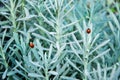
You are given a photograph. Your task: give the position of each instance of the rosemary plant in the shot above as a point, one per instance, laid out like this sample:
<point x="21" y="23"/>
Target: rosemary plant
<point x="59" y="40"/>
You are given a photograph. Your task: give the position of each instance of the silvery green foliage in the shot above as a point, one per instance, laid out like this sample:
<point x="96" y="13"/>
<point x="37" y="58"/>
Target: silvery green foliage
<point x="63" y="50"/>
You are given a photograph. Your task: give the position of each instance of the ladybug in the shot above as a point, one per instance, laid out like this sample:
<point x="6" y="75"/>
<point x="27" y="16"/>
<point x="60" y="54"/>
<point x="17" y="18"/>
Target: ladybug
<point x="31" y="44"/>
<point x="88" y="30"/>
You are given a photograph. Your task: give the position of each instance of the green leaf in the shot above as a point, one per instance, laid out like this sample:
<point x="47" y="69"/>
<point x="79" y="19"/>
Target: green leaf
<point x="99" y="46"/>
<point x="68" y="78"/>
<point x="35" y="75"/>
<point x="16" y="37"/>
<point x="53" y="72"/>
<point x="42" y="28"/>
<point x="94" y="40"/>
<point x="4" y="74"/>
<point x="34" y="63"/>
<point x="41" y="37"/>
<point x="75" y="51"/>
<point x="99" y="55"/>
<point x="11" y="73"/>
<point x="8" y="44"/>
<point x="73" y="65"/>
<point x="26" y="18"/>
<point x="3" y="36"/>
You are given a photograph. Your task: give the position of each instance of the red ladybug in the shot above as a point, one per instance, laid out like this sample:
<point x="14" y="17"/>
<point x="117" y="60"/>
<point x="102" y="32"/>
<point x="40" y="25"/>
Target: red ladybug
<point x="88" y="30"/>
<point x="31" y="44"/>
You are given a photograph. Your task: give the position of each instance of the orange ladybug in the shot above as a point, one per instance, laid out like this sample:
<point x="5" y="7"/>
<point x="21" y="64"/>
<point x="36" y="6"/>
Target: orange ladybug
<point x="31" y="44"/>
<point x="88" y="30"/>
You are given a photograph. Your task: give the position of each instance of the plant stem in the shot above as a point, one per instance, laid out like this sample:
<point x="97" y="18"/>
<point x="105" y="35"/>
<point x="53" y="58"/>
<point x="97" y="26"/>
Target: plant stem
<point x="13" y="16"/>
<point x="4" y="59"/>
<point x="86" y="60"/>
<point x="46" y="68"/>
<point x="85" y="65"/>
<point x="85" y="72"/>
<point x="46" y="73"/>
<point x="23" y="11"/>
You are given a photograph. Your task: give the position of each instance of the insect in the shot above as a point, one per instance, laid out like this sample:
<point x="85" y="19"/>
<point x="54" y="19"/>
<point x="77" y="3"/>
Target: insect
<point x="31" y="44"/>
<point x="88" y="30"/>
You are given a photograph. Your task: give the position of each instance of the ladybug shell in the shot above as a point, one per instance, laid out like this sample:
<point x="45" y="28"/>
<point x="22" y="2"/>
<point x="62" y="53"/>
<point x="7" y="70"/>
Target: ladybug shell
<point x="31" y="44"/>
<point x="88" y="30"/>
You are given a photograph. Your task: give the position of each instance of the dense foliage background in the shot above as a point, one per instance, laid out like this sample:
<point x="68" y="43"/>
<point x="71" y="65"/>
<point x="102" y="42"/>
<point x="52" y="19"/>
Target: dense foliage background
<point x="70" y="39"/>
